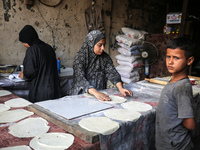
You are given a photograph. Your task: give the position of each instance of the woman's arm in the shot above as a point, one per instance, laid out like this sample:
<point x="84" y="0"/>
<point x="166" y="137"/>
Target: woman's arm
<point x="122" y="90"/>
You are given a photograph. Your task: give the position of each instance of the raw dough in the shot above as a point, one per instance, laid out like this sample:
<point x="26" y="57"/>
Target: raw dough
<point x="136" y="106"/>
<point x="122" y="114"/>
<point x="21" y="147"/>
<point x="4" y="93"/>
<point x="52" y="141"/>
<point x="101" y="125"/>
<point x="14" y="115"/>
<point x="115" y="99"/>
<point x="17" y="102"/>
<point x="90" y="95"/>
<point x="4" y="107"/>
<point x="29" y="127"/>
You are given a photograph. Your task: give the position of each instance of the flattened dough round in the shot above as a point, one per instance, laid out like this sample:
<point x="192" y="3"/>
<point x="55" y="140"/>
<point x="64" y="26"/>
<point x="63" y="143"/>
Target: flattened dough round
<point x="90" y="95"/>
<point x="101" y="125"/>
<point x="115" y="99"/>
<point x="122" y="114"/>
<point x="29" y="127"/>
<point x="4" y="92"/>
<point x="4" y="107"/>
<point x="14" y="115"/>
<point x="136" y="106"/>
<point x="52" y="141"/>
<point x="21" y="147"/>
<point x="17" y="102"/>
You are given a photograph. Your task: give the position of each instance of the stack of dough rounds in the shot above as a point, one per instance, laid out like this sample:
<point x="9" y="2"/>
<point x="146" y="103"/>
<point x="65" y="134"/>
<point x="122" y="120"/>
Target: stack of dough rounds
<point x="52" y="141"/>
<point x="21" y="147"/>
<point x="14" y="115"/>
<point x="4" y="93"/>
<point x="101" y="125"/>
<point x="136" y="106"/>
<point x="4" y="107"/>
<point x="122" y="114"/>
<point x="29" y="127"/>
<point x="17" y="102"/>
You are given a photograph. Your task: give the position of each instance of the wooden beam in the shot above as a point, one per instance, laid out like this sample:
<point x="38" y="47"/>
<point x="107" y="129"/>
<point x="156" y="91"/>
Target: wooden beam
<point x="183" y="19"/>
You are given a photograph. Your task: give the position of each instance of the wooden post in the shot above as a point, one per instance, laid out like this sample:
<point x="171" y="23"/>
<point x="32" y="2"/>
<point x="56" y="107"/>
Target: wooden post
<point x="183" y="19"/>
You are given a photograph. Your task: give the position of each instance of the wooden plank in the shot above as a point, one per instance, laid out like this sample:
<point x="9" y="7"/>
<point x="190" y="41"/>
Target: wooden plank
<point x="68" y="125"/>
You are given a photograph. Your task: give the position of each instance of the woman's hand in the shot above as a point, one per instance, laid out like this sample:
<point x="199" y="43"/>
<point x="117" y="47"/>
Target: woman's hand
<point x="122" y="90"/>
<point x="99" y="95"/>
<point x="21" y="74"/>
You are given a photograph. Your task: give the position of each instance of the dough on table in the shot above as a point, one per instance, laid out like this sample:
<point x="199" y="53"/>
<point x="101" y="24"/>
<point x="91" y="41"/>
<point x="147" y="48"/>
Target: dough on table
<point x="122" y="114"/>
<point x="52" y="141"/>
<point x="21" y="147"/>
<point x="4" y="92"/>
<point x="29" y="127"/>
<point x="101" y="125"/>
<point x="115" y="99"/>
<point x="4" y="107"/>
<point x="14" y="115"/>
<point x="137" y="106"/>
<point x="17" y="102"/>
<point x="90" y="95"/>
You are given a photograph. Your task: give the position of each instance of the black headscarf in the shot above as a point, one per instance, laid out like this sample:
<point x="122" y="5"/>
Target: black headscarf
<point x="29" y="35"/>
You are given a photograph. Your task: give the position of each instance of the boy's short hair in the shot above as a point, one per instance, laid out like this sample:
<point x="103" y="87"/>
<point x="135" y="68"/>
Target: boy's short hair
<point x="184" y="43"/>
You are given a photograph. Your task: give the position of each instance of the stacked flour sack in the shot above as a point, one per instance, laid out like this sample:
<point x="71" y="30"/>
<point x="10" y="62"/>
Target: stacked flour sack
<point x="130" y="45"/>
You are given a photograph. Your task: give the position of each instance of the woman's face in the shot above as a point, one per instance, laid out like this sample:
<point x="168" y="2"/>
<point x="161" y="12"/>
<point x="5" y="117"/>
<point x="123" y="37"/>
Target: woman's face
<point x="26" y="45"/>
<point x="99" y="47"/>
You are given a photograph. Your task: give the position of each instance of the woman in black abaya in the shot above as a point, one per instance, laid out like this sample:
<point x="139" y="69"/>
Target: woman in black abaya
<point x="40" y="67"/>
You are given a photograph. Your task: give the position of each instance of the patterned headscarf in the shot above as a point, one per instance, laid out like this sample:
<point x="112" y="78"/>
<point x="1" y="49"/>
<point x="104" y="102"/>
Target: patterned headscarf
<point x="29" y="35"/>
<point x="87" y="49"/>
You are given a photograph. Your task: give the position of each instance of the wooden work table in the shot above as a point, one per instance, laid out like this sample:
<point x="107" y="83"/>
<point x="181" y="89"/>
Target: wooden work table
<point x="8" y="140"/>
<point x="137" y="135"/>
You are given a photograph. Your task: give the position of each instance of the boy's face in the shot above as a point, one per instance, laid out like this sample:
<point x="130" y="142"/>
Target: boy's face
<point x="176" y="61"/>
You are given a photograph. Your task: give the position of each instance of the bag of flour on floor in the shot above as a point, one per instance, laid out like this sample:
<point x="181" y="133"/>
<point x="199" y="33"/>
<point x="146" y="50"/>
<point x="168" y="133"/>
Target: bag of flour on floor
<point x="129" y="75"/>
<point x="133" y="33"/>
<point x="129" y="59"/>
<point x="128" y="41"/>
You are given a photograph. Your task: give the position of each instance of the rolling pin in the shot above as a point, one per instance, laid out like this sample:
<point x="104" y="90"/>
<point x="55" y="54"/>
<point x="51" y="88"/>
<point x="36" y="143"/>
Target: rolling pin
<point x="156" y="81"/>
<point x="196" y="78"/>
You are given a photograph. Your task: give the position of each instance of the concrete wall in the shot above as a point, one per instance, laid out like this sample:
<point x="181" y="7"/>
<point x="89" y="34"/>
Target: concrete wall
<point x="63" y="26"/>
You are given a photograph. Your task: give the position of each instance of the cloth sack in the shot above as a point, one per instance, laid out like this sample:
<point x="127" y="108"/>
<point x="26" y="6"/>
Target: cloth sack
<point x="128" y="52"/>
<point x="129" y="75"/>
<point x="129" y="59"/>
<point x="128" y="41"/>
<point x="134" y="34"/>
<point x="132" y="65"/>
<point x="130" y="80"/>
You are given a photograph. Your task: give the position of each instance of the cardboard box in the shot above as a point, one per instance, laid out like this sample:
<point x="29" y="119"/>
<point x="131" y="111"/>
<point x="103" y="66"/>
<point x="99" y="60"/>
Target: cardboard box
<point x="173" y="18"/>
